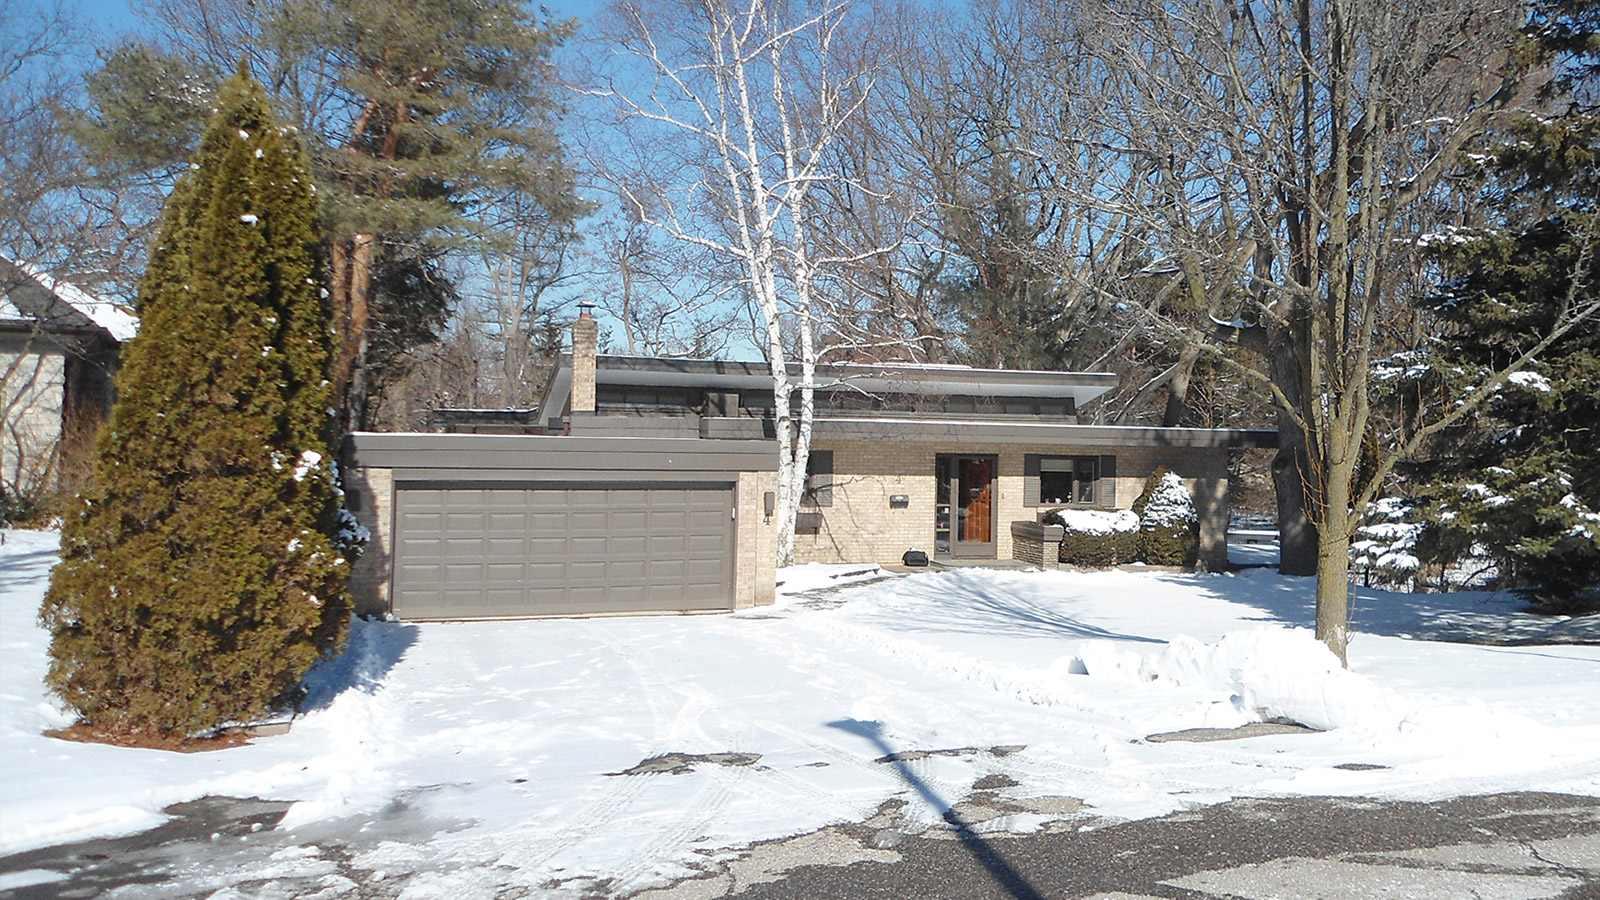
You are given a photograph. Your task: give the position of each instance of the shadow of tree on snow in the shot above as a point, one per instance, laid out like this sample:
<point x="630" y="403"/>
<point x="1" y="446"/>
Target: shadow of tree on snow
<point x="374" y="648"/>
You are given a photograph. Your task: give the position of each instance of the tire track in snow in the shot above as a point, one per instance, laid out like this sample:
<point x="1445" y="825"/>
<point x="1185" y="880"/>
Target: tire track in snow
<point x="533" y="848"/>
<point x="688" y="709"/>
<point x="1119" y="773"/>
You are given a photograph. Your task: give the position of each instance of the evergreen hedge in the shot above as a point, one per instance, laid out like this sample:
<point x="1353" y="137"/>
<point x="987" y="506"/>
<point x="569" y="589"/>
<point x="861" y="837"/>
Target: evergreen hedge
<point x="199" y="576"/>
<point x="1095" y="539"/>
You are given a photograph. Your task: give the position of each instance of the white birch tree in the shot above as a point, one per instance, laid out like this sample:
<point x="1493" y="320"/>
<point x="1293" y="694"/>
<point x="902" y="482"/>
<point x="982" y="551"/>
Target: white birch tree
<point x="729" y="109"/>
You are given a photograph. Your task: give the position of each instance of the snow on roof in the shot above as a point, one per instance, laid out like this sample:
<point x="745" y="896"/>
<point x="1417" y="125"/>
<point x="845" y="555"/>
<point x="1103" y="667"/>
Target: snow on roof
<point x="113" y="317"/>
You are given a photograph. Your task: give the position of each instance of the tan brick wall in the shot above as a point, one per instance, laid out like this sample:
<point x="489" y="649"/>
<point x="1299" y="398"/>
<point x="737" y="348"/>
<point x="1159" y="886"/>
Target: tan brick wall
<point x="31" y="397"/>
<point x="861" y="527"/>
<point x="756" y="566"/>
<point x="585" y="334"/>
<point x="373" y="504"/>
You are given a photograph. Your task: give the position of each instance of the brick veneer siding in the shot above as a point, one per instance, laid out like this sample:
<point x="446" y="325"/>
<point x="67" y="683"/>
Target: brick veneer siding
<point x="1035" y="544"/>
<point x="860" y="526"/>
<point x="585" y="334"/>
<point x="370" y="494"/>
<point x="756" y="536"/>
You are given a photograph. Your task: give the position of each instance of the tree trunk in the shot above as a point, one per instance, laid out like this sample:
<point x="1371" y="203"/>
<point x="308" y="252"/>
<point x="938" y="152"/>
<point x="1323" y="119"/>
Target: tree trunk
<point x="1297" y="537"/>
<point x="350" y="266"/>
<point x="1178" y="387"/>
<point x="1333" y="591"/>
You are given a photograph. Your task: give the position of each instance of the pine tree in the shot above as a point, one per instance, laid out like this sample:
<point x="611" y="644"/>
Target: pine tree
<point x="431" y="125"/>
<point x="200" y="579"/>
<point x="1522" y="480"/>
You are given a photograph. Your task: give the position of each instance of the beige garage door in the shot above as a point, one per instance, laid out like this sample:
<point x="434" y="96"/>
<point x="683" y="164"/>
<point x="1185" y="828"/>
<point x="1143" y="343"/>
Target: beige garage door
<point x="466" y="552"/>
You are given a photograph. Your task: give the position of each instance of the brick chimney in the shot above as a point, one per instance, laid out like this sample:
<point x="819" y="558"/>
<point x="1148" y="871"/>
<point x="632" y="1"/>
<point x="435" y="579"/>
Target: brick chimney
<point x="585" y="334"/>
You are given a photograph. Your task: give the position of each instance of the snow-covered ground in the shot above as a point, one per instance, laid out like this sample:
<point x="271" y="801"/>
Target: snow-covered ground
<point x="505" y="743"/>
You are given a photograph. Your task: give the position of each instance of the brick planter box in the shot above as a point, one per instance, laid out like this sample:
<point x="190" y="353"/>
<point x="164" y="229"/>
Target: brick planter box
<point x="1036" y="544"/>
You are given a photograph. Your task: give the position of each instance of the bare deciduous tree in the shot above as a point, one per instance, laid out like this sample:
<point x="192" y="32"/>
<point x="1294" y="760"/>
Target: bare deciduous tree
<point x="1298" y="147"/>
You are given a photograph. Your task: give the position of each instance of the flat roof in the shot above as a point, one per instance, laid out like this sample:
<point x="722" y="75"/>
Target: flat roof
<point x="1006" y="432"/>
<point x="574" y="455"/>
<point x="862" y="378"/>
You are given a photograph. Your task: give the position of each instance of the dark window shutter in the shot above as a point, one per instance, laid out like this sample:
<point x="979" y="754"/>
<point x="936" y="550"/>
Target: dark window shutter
<point x="819" y="478"/>
<point x="1107" y="483"/>
<point x="1030" y="479"/>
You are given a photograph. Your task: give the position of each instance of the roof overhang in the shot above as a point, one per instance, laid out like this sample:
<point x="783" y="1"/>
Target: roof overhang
<point x="994" y="432"/>
<point x="493" y="457"/>
<point x="887" y="378"/>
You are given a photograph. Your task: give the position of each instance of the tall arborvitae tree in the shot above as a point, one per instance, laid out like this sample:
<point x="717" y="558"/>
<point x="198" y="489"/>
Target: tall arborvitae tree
<point x="200" y="579"/>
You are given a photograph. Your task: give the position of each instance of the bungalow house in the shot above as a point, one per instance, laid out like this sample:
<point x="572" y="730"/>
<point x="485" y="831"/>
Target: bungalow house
<point x="643" y="484"/>
<point x="58" y="355"/>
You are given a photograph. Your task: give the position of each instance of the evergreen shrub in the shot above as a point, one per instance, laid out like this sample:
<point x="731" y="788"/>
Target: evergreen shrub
<point x="1095" y="538"/>
<point x="1169" y="528"/>
<point x="200" y="578"/>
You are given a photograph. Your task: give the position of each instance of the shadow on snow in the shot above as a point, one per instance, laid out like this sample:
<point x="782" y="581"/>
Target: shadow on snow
<point x="373" y="649"/>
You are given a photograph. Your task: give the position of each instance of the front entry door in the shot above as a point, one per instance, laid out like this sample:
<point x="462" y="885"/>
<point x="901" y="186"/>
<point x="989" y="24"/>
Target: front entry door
<point x="964" y="511"/>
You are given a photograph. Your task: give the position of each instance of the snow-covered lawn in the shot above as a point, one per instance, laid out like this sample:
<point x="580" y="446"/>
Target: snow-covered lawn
<point x="503" y="741"/>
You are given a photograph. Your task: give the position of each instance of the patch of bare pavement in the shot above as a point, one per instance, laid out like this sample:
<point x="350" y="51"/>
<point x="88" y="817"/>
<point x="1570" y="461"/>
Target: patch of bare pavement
<point x="1523" y="846"/>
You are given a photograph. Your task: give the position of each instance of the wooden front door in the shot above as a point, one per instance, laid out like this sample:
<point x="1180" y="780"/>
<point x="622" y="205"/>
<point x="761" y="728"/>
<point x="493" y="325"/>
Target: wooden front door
<point x="964" y="508"/>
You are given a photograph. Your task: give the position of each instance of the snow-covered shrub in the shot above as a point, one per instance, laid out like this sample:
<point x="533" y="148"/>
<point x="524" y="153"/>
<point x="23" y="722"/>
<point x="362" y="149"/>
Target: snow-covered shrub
<point x="1386" y="543"/>
<point x="1169" y="529"/>
<point x="1096" y="538"/>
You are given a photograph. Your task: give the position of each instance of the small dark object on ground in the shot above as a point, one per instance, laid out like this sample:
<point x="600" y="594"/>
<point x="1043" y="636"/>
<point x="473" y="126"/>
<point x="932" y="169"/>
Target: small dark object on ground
<point x="684" y="763"/>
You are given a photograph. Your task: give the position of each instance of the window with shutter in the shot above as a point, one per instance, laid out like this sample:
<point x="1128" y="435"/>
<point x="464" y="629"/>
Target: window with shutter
<point x="819" y="479"/>
<point x="1061" y="480"/>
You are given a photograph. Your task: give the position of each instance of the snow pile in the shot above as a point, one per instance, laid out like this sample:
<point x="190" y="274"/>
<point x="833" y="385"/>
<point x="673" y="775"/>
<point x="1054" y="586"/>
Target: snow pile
<point x="1170" y="504"/>
<point x="820" y="576"/>
<point x="1272" y="672"/>
<point x="1097" y="521"/>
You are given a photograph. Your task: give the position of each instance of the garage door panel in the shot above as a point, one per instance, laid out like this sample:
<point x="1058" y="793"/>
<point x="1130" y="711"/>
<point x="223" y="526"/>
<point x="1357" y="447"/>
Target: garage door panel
<point x="504" y="573"/>
<point x="698" y="544"/>
<point x="508" y="521"/>
<point x="546" y="547"/>
<point x="490" y="550"/>
<point x="632" y="571"/>
<point x="660" y="544"/>
<point x="587" y="522"/>
<point x="587" y="547"/>
<point x="462" y="574"/>
<point x="540" y="572"/>
<point x="547" y="521"/>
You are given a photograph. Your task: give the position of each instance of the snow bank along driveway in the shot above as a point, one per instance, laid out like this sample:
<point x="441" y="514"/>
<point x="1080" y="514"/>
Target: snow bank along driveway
<point x="515" y="748"/>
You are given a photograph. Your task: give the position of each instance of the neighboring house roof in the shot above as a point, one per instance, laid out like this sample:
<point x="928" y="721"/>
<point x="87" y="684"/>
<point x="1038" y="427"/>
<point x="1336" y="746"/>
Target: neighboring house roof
<point x="32" y="296"/>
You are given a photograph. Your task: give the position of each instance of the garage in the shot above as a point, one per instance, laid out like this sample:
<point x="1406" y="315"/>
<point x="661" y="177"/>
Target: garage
<point x="479" y="551"/>
<point x="483" y="526"/>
